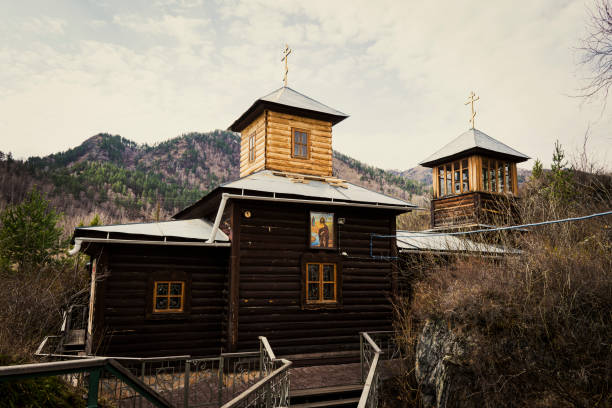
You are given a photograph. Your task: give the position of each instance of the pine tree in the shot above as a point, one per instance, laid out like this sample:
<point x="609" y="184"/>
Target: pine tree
<point x="30" y="236"/>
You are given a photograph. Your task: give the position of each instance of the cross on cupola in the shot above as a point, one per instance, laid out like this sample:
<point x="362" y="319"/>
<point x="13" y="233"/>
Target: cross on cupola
<point x="471" y="101"/>
<point x="285" y="58"/>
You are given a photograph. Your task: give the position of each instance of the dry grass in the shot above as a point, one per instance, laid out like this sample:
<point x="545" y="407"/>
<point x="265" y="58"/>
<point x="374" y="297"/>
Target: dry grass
<point x="539" y="324"/>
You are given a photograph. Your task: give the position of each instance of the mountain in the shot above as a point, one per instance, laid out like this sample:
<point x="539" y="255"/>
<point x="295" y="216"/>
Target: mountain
<point x="122" y="181"/>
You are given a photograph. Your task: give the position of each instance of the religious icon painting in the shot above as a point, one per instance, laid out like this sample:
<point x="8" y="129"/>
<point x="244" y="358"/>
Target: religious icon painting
<point x="322" y="234"/>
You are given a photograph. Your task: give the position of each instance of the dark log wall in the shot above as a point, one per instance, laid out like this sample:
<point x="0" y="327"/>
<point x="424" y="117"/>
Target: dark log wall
<point x="272" y="243"/>
<point x="121" y="308"/>
<point x="473" y="208"/>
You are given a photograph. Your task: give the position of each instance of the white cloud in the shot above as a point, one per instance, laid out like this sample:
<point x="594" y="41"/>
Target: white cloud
<point x="401" y="69"/>
<point x="43" y="25"/>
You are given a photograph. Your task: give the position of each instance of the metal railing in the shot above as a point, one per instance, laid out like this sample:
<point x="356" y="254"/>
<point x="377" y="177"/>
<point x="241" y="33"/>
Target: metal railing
<point x="190" y="382"/>
<point x="375" y="347"/>
<point x="86" y="374"/>
<point x="272" y="390"/>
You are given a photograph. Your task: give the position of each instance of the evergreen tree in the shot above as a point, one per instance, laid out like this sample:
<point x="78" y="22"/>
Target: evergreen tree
<point x="29" y="234"/>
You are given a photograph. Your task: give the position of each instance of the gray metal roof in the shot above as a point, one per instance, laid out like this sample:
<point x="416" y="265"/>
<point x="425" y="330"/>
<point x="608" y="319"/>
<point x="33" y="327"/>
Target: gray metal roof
<point x="431" y="241"/>
<point x="267" y="181"/>
<point x="289" y="97"/>
<point x="469" y="140"/>
<point x="197" y="229"/>
<point x="287" y="100"/>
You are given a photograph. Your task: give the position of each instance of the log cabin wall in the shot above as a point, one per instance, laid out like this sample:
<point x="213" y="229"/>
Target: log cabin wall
<point x="273" y="242"/>
<point x="470" y="209"/>
<point x="256" y="129"/>
<point x="125" y="291"/>
<point x="279" y="144"/>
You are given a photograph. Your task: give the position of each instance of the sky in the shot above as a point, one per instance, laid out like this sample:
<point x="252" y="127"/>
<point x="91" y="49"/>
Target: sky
<point x="152" y="70"/>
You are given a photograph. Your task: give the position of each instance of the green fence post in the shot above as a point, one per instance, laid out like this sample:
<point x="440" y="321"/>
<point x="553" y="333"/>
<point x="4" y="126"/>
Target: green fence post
<point x="92" y="392"/>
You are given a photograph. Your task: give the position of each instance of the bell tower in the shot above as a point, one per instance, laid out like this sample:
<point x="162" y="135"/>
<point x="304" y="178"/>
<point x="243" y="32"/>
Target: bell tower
<point x="474" y="179"/>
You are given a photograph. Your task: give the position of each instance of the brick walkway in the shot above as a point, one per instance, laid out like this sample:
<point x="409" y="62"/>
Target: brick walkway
<point x="335" y="375"/>
<point x="324" y="376"/>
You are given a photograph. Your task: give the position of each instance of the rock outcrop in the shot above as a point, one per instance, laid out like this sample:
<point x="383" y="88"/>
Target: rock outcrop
<point x="441" y="368"/>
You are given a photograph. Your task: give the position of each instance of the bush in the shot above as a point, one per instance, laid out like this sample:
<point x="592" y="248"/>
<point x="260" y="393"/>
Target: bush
<point x="37" y="392"/>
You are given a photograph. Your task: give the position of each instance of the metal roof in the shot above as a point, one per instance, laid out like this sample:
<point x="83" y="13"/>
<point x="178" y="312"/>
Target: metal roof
<point x="197" y="229"/>
<point x="434" y="241"/>
<point x="269" y="182"/>
<point x="289" y="97"/>
<point x="286" y="98"/>
<point x="473" y="139"/>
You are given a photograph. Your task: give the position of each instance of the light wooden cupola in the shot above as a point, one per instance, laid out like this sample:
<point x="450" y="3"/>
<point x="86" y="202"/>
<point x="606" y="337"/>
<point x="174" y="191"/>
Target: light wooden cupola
<point x="471" y="174"/>
<point x="289" y="132"/>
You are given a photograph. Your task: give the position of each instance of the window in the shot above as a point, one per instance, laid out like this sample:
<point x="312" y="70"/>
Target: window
<point x="500" y="177"/>
<point x="168" y="297"/>
<point x="453" y="178"/>
<point x="497" y="176"/>
<point x="485" y="174"/>
<point x="300" y="143"/>
<point x="465" y="177"/>
<point x="508" y="168"/>
<point x="252" y="147"/>
<point x="321" y="283"/>
<point x="440" y="181"/>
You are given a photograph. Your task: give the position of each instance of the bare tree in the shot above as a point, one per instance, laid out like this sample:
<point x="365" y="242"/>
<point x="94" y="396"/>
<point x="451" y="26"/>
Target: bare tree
<point x="597" y="48"/>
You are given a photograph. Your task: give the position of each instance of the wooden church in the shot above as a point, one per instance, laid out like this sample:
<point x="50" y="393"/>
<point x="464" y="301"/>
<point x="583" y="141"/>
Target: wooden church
<point x="283" y="252"/>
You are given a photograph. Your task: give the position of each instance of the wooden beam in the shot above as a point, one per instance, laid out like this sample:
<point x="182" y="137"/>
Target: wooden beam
<point x="234" y="280"/>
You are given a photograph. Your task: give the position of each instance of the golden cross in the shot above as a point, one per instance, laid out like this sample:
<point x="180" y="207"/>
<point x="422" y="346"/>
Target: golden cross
<point x="286" y="59"/>
<point x="471" y="101"/>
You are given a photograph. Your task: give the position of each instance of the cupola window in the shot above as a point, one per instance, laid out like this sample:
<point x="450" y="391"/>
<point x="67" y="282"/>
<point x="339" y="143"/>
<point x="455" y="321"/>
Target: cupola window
<point x="300" y="143"/>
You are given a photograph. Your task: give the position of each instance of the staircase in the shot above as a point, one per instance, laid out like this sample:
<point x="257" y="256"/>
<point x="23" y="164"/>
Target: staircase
<point x="342" y="396"/>
<point x="74" y="330"/>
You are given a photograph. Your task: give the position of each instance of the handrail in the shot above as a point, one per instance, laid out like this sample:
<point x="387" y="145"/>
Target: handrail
<point x="258" y="385"/>
<point x="254" y="389"/>
<point x="94" y="366"/>
<point x="365" y="394"/>
<point x="267" y="347"/>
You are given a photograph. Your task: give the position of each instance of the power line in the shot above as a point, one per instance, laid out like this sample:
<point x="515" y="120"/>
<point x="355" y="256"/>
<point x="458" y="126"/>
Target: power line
<point x="506" y="228"/>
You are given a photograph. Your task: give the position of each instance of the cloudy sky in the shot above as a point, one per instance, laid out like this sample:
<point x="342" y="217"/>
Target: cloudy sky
<point x="153" y="69"/>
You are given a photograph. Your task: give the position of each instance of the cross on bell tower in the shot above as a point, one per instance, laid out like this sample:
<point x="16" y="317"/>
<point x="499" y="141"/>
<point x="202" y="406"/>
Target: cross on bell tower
<point x="471" y="101"/>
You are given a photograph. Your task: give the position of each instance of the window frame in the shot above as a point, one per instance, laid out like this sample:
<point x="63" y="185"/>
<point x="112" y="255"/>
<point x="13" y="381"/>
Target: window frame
<point x="293" y="143"/>
<point x="168" y="296"/>
<point x="167" y="276"/>
<point x="321" y="259"/>
<point x="252" y="142"/>
<point x="320" y="282"/>
<point x="451" y="176"/>
<point x="502" y="172"/>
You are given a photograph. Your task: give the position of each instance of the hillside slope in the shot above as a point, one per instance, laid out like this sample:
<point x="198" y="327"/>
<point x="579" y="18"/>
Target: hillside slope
<point x="123" y="181"/>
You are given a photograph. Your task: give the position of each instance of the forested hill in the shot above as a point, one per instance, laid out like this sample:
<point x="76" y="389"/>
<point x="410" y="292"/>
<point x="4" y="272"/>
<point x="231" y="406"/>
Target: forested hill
<point x="122" y="181"/>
